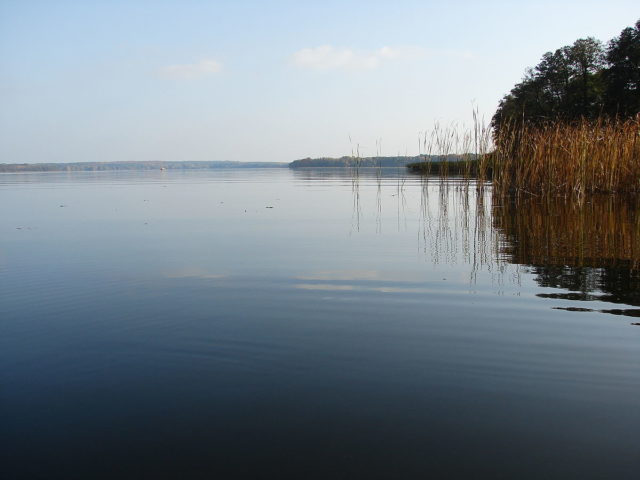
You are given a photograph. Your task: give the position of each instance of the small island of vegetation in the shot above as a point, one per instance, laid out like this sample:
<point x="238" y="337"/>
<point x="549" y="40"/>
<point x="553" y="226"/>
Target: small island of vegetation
<point x="379" y="162"/>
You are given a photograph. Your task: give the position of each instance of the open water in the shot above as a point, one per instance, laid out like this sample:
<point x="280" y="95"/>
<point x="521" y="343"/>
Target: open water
<point x="317" y="324"/>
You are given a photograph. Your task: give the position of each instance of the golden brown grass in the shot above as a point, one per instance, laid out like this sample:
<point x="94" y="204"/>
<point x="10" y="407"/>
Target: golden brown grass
<point x="600" y="156"/>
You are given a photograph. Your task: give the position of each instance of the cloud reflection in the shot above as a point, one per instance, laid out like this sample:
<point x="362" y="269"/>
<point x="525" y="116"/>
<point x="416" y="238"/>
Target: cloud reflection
<point x="334" y="287"/>
<point x="194" y="273"/>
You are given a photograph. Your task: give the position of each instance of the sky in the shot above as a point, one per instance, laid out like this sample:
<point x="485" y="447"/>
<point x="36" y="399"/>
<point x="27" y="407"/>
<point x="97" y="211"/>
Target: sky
<point x="265" y="80"/>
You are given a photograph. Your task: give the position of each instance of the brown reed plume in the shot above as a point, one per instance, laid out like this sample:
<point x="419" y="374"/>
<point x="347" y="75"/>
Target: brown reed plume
<point x="448" y="150"/>
<point x="601" y="156"/>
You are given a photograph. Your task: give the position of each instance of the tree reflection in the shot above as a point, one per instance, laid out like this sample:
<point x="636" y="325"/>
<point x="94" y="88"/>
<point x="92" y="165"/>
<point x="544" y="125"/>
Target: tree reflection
<point x="589" y="247"/>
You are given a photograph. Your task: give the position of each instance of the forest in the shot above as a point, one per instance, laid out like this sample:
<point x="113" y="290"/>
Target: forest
<point x="585" y="80"/>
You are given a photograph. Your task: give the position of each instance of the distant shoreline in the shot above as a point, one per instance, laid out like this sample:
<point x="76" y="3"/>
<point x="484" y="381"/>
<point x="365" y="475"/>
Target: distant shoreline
<point x="124" y="166"/>
<point x="325" y="162"/>
<point x="376" y="162"/>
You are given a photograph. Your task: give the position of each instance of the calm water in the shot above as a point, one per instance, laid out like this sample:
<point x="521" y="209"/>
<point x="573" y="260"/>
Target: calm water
<point x="306" y="324"/>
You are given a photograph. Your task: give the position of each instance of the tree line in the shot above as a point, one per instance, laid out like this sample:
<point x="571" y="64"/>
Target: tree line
<point x="586" y="80"/>
<point x="142" y="165"/>
<point x="383" y="162"/>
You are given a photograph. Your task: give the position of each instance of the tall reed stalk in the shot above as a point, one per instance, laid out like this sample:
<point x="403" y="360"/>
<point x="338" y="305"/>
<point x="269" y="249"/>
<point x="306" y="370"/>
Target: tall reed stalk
<point x="448" y="150"/>
<point x="601" y="156"/>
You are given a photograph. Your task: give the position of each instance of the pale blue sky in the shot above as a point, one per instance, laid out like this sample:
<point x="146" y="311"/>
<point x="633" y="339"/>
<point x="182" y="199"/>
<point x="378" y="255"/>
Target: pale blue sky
<point x="272" y="81"/>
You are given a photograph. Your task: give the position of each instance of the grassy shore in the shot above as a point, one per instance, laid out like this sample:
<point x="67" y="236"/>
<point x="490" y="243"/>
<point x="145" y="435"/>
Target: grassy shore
<point x="601" y="156"/>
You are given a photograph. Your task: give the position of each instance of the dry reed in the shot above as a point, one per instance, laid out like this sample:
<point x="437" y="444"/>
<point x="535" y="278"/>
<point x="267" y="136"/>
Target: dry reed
<point x="600" y="156"/>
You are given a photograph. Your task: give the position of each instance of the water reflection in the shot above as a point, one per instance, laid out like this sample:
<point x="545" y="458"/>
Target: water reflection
<point x="455" y="227"/>
<point x="589" y="248"/>
<point x="597" y="232"/>
<point x="227" y="340"/>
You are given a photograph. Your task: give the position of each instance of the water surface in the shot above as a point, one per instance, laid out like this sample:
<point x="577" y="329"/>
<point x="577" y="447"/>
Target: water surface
<point x="313" y="324"/>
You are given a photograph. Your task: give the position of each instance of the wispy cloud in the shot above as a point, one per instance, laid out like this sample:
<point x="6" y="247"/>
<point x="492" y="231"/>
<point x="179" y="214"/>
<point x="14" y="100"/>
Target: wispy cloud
<point x="192" y="70"/>
<point x="327" y="57"/>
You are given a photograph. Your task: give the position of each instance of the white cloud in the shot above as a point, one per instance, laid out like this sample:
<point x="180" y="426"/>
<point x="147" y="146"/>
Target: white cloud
<point x="193" y="70"/>
<point x="327" y="57"/>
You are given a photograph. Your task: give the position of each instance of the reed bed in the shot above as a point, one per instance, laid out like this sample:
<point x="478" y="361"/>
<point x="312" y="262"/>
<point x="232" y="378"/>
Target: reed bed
<point x="601" y="156"/>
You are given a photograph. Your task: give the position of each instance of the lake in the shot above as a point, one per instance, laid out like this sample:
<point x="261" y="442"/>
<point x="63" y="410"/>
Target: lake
<point x="279" y="323"/>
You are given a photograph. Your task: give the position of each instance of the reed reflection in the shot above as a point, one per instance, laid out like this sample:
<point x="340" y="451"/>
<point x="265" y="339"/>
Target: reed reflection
<point x="590" y="248"/>
<point x="455" y="225"/>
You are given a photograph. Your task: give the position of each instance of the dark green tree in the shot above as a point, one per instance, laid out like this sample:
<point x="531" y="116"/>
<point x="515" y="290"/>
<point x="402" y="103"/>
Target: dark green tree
<point x="567" y="84"/>
<point x="586" y="60"/>
<point x="622" y="78"/>
<point x="579" y="81"/>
